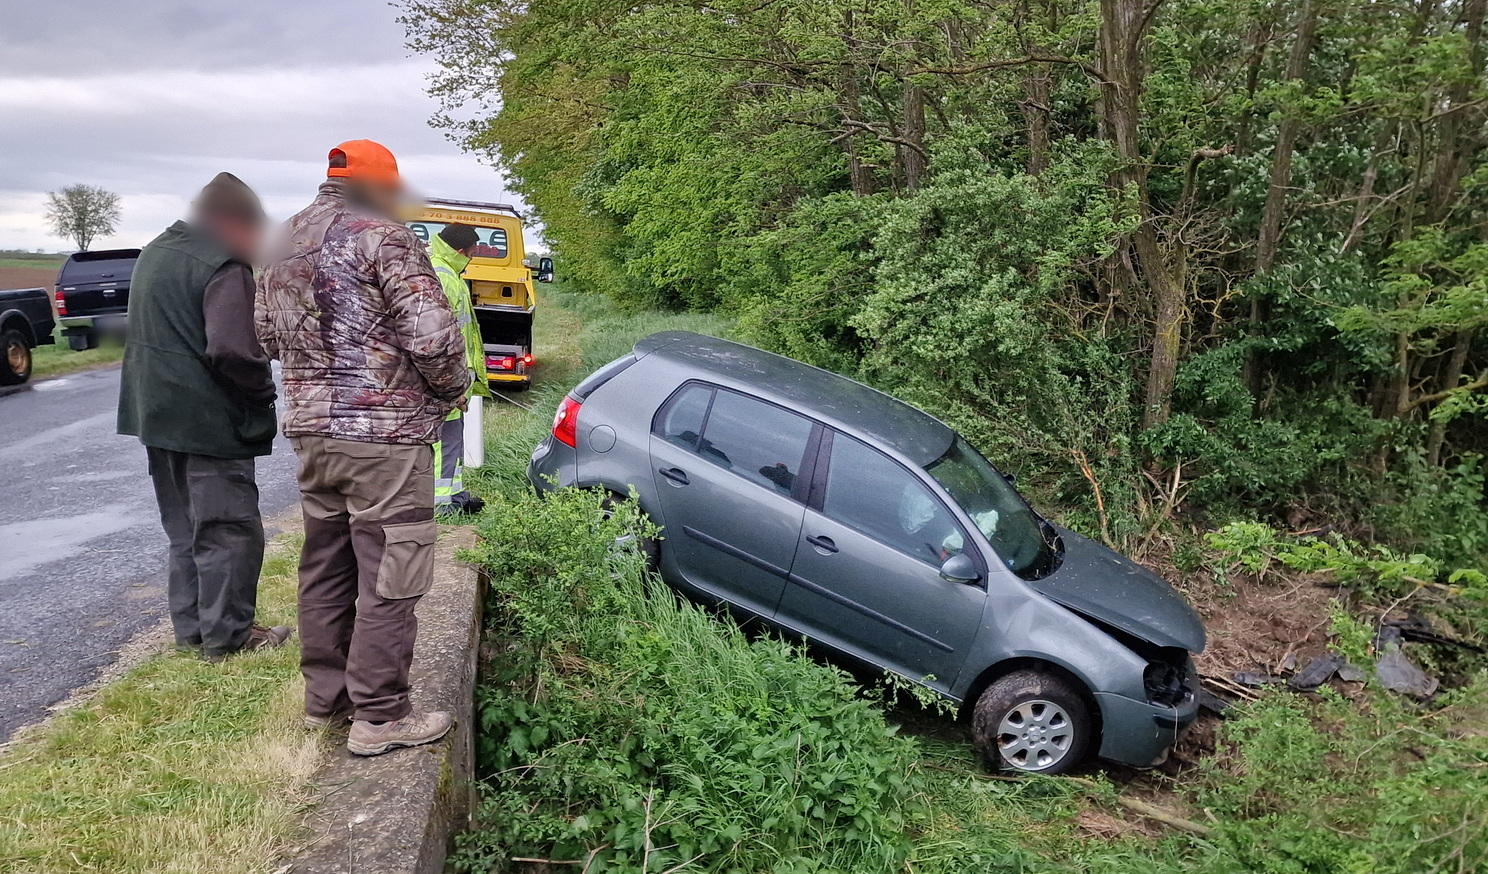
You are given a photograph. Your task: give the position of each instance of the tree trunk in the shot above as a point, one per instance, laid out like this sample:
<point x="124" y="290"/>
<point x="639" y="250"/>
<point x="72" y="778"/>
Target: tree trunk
<point x="1036" y="116"/>
<point x="913" y="149"/>
<point x="1273" y="213"/>
<point x="1451" y="378"/>
<point x="1123" y="50"/>
<point x="1456" y="138"/>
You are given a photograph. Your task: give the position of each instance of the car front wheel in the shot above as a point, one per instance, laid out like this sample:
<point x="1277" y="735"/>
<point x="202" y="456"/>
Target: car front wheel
<point x="15" y="368"/>
<point x="1032" y="721"/>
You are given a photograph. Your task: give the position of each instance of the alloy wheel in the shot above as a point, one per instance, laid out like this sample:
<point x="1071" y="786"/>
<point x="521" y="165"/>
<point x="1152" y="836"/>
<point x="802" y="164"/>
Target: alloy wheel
<point x="1035" y="735"/>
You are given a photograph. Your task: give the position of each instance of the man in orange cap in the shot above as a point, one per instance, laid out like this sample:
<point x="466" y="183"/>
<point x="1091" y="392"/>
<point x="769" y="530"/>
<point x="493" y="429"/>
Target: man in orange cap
<point x="373" y="362"/>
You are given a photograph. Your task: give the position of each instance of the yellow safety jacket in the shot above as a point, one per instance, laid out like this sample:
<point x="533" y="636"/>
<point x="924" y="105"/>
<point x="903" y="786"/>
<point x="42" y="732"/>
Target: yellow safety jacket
<point x="448" y="265"/>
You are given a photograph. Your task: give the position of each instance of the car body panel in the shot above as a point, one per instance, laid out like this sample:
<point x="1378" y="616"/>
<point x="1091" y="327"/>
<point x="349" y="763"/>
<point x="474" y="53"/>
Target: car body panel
<point x="876" y="606"/>
<point x="884" y="607"/>
<point x="1102" y="583"/>
<point x="94" y="290"/>
<point x="746" y="565"/>
<point x="28" y="310"/>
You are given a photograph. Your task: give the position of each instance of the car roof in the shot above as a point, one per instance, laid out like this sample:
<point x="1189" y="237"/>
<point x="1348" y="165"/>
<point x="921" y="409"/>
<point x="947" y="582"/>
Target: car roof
<point x="843" y="403"/>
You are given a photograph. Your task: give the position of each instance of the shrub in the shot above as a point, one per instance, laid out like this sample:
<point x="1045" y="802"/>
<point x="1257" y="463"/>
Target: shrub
<point x="620" y="726"/>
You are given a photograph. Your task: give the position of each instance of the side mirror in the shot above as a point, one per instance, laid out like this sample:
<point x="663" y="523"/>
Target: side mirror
<point x="545" y="270"/>
<point x="959" y="569"/>
<point x="1012" y="479"/>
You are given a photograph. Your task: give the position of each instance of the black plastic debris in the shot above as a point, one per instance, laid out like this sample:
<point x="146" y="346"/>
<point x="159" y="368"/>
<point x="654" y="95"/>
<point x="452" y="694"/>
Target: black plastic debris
<point x="1317" y="672"/>
<point x="1398" y="674"/>
<point x="1255" y="678"/>
<point x="1418" y="630"/>
<point x="1212" y="703"/>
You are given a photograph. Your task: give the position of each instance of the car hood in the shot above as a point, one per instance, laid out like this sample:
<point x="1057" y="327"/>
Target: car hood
<point x="1099" y="583"/>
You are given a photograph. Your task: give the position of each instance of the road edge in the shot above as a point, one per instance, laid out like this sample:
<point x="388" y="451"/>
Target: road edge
<point x="396" y="813"/>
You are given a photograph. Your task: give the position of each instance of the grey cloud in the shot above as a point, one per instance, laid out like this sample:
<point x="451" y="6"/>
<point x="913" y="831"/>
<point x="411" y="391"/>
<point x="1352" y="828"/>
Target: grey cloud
<point x="151" y="98"/>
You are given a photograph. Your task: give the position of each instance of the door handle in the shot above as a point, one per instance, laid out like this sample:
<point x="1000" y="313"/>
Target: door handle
<point x="823" y="545"/>
<point x="675" y="474"/>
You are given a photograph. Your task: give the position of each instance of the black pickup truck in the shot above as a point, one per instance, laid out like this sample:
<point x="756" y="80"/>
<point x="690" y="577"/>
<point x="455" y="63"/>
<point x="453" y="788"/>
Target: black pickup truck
<point x="93" y="295"/>
<point x="25" y="323"/>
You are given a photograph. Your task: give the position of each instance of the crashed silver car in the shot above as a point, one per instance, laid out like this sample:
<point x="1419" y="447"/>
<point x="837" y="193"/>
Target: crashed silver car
<point x="842" y="515"/>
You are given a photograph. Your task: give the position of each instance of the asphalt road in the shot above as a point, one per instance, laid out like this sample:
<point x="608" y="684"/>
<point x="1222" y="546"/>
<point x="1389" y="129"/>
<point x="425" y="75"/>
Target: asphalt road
<point x="82" y="556"/>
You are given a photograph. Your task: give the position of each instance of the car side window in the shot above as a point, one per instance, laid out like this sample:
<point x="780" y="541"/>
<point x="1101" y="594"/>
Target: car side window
<point x="871" y="492"/>
<point x="682" y="418"/>
<point x="758" y="441"/>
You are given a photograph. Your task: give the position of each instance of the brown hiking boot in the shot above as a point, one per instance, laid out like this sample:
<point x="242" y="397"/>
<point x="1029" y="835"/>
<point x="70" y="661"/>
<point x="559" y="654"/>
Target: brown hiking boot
<point x="318" y="723"/>
<point x="417" y="728"/>
<point x="267" y="638"/>
<point x="259" y="637"/>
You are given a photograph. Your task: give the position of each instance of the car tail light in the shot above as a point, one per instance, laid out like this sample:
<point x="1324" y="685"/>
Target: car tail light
<point x="61" y="303"/>
<point x="527" y="360"/>
<point x="566" y="423"/>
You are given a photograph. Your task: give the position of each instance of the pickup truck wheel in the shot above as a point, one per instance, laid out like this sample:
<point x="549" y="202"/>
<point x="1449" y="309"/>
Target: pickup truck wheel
<point x="16" y="367"/>
<point x="82" y="342"/>
<point x="1031" y="721"/>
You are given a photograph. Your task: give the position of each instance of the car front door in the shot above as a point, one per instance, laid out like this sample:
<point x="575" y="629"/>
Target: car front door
<point x="728" y="470"/>
<point x="866" y="579"/>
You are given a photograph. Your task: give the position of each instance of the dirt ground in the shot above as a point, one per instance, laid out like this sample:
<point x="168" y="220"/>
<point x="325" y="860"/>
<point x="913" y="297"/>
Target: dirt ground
<point x="28" y="277"/>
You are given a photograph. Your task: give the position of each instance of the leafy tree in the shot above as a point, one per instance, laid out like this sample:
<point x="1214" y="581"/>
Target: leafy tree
<point x="82" y="213"/>
<point x="1225" y="254"/>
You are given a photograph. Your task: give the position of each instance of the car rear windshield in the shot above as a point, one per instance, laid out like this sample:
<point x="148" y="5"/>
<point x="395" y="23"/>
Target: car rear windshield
<point x="602" y="376"/>
<point x="82" y="269"/>
<point x="1015" y="531"/>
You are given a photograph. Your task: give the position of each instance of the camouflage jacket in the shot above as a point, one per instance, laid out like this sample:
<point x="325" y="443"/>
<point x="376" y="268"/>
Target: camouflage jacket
<point x="351" y="308"/>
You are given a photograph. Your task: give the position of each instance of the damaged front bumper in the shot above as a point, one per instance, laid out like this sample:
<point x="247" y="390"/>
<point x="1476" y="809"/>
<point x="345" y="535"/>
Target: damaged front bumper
<point x="1140" y="733"/>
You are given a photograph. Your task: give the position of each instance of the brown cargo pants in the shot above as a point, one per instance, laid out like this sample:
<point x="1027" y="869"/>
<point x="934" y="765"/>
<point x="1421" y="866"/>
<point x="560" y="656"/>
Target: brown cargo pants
<point x="368" y="556"/>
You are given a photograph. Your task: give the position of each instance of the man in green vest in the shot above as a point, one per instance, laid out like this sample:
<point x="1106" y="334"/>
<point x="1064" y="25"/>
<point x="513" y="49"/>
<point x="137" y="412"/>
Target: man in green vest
<point x="450" y="251"/>
<point x="197" y="391"/>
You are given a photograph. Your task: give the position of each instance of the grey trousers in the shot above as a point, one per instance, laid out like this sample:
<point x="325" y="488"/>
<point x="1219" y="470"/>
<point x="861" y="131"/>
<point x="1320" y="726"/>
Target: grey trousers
<point x="209" y="509"/>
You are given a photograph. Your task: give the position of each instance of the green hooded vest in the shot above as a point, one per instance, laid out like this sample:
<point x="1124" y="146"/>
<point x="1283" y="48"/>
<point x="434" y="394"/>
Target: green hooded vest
<point x="168" y="396"/>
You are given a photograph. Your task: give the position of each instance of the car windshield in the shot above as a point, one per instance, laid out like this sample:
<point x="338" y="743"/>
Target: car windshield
<point x="1015" y="531"/>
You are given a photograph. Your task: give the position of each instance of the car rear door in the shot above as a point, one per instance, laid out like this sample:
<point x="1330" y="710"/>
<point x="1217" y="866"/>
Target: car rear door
<point x="728" y="470"/>
<point x="866" y="578"/>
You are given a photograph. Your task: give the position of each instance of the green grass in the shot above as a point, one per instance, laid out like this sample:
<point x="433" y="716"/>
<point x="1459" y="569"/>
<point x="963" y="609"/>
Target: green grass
<point x="51" y="262"/>
<point x="179" y="766"/>
<point x="59" y="359"/>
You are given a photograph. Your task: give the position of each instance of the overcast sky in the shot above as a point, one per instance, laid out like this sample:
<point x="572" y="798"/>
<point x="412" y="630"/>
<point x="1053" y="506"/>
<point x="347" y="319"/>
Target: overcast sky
<point x="151" y="98"/>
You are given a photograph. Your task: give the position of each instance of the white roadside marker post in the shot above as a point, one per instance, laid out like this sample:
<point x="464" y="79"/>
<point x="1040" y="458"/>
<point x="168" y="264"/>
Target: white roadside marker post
<point x="475" y="444"/>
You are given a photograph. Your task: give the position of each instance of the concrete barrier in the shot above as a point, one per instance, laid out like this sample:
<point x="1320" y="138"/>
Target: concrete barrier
<point x="395" y="813"/>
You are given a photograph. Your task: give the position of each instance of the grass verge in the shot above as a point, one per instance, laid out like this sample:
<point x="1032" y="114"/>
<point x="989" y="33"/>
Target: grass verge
<point x="59" y="360"/>
<point x="178" y="766"/>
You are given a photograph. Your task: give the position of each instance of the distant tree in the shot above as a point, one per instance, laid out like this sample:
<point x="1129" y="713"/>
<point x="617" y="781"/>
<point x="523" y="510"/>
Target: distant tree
<point x="82" y="213"/>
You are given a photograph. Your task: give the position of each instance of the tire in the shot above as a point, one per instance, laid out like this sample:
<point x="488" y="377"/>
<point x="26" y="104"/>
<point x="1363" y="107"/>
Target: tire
<point x="649" y="547"/>
<point x="15" y="358"/>
<point x="82" y="341"/>
<point x="1032" y="721"/>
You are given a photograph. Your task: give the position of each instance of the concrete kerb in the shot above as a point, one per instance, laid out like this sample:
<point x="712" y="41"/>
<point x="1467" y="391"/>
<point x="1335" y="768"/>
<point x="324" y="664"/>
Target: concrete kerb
<point x="396" y="813"/>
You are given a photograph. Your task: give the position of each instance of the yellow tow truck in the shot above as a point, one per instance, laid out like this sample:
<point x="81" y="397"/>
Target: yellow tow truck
<point x="501" y="278"/>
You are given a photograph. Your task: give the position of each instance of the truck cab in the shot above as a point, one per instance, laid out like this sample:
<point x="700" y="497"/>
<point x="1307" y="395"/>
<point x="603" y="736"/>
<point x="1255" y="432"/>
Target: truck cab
<point x="501" y="278"/>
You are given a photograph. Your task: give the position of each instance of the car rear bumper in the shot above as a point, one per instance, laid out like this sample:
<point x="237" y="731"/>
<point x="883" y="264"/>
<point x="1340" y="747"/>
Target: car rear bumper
<point x="553" y="465"/>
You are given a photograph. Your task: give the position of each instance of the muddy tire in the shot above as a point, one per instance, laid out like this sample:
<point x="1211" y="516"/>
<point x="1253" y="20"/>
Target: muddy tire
<point x="15" y="358"/>
<point x="649" y="547"/>
<point x="1033" y="722"/>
